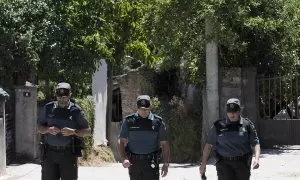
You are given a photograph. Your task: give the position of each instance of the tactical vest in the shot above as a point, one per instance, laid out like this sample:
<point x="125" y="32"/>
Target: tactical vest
<point x="223" y="127"/>
<point x="62" y="113"/>
<point x="136" y="123"/>
<point x="66" y="114"/>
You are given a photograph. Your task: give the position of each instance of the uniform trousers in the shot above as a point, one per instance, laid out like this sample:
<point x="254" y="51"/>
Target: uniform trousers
<point x="142" y="170"/>
<point x="233" y="170"/>
<point x="60" y="165"/>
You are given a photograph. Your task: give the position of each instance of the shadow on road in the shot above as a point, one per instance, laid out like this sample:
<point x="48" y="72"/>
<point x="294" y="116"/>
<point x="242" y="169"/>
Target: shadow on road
<point x="22" y="160"/>
<point x="280" y="150"/>
<point x="184" y="165"/>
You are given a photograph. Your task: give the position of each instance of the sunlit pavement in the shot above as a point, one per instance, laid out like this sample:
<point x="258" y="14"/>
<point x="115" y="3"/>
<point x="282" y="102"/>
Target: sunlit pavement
<point x="274" y="165"/>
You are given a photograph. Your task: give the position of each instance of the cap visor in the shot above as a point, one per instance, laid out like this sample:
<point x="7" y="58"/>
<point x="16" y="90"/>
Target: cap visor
<point x="144" y="107"/>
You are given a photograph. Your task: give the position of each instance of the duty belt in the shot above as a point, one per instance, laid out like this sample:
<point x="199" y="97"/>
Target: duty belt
<point x="59" y="148"/>
<point x="235" y="158"/>
<point x="149" y="156"/>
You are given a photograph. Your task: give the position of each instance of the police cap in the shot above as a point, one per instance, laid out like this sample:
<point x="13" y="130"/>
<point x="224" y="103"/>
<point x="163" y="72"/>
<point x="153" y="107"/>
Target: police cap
<point x="143" y="101"/>
<point x="63" y="89"/>
<point x="233" y="105"/>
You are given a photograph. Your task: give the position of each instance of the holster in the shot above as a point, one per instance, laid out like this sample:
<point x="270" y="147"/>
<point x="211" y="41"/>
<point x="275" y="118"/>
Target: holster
<point x="216" y="156"/>
<point x="77" y="146"/>
<point x="249" y="160"/>
<point x="43" y="150"/>
<point x="158" y="154"/>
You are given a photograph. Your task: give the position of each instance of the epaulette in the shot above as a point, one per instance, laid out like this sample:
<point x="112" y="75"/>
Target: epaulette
<point x="130" y="117"/>
<point x="50" y="103"/>
<point x="219" y="121"/>
<point x="157" y="117"/>
<point x="248" y="120"/>
<point x="74" y="105"/>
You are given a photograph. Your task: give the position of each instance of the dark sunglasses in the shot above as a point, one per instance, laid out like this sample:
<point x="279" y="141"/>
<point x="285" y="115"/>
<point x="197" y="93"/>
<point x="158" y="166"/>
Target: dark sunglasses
<point x="62" y="92"/>
<point x="232" y="108"/>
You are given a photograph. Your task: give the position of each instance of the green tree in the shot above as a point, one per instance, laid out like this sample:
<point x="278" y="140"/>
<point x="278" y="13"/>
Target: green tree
<point x="65" y="40"/>
<point x="257" y="33"/>
<point x="23" y="26"/>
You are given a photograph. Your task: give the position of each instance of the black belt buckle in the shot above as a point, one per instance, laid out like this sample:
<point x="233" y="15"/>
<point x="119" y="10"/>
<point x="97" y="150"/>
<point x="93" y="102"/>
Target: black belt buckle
<point x="141" y="156"/>
<point x="236" y="158"/>
<point x="59" y="148"/>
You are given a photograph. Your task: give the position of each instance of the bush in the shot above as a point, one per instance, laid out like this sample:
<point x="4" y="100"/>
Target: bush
<point x="88" y="106"/>
<point x="182" y="130"/>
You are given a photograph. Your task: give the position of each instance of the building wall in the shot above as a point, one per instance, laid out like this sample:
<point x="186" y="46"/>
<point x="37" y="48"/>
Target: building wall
<point x="239" y="83"/>
<point x="132" y="84"/>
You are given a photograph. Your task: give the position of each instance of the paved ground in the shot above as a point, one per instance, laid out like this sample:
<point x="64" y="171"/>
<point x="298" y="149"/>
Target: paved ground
<point x="274" y="165"/>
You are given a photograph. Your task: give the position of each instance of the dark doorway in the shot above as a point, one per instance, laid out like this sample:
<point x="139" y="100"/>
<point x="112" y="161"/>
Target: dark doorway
<point x="116" y="106"/>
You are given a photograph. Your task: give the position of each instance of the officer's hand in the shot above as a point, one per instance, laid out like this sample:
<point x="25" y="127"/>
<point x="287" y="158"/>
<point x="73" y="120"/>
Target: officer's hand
<point x="126" y="163"/>
<point x="202" y="169"/>
<point x="53" y="130"/>
<point x="255" y="164"/>
<point x="164" y="170"/>
<point x="67" y="131"/>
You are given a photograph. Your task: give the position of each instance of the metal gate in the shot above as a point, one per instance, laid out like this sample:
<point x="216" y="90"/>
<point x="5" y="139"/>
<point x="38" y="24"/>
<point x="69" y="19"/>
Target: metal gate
<point x="279" y="110"/>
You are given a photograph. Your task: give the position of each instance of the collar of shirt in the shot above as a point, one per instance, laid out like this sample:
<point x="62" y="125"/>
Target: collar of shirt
<point x="151" y="116"/>
<point x="68" y="107"/>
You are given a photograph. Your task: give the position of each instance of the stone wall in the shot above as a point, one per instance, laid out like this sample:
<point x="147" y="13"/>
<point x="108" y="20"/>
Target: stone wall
<point x="230" y="86"/>
<point x="132" y="84"/>
<point x="234" y="83"/>
<point x="239" y="83"/>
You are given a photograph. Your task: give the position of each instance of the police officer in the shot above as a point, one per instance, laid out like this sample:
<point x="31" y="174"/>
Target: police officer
<point x="233" y="139"/>
<point x="141" y="136"/>
<point x="62" y="126"/>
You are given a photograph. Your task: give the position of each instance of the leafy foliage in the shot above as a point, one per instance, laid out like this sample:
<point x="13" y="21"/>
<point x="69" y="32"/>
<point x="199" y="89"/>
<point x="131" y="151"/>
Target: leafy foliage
<point x="23" y="27"/>
<point x="88" y="107"/>
<point x="182" y="129"/>
<point x="255" y="33"/>
<point x="65" y="40"/>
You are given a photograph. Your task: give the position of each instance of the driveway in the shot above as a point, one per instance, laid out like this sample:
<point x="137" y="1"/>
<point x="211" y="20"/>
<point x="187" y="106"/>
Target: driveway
<point x="274" y="165"/>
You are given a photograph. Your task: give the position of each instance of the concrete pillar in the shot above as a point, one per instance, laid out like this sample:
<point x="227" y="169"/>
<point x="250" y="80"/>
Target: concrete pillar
<point x="212" y="80"/>
<point x="249" y="94"/>
<point x="99" y="90"/>
<point x="26" y="122"/>
<point x="2" y="139"/>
